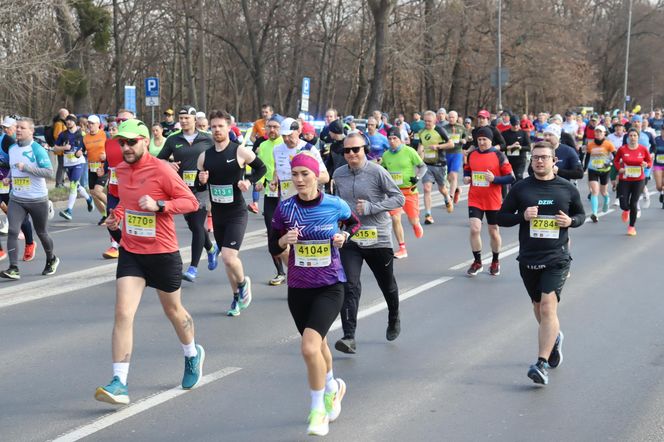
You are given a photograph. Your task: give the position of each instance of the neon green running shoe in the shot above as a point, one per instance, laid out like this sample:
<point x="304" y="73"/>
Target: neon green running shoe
<point x="333" y="400"/>
<point x="319" y="423"/>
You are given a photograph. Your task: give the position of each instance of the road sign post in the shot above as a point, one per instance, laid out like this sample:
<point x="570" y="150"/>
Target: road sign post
<point x="306" y="89"/>
<point x="152" y="93"/>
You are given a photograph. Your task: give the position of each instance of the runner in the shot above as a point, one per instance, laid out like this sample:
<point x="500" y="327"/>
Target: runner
<point x="157" y="140"/>
<point x="401" y="162"/>
<point x="94" y="143"/>
<point x="258" y="136"/>
<point x="630" y="161"/>
<point x="185" y="146"/>
<point x="658" y="166"/>
<point x="149" y="255"/>
<point x="454" y="158"/>
<point x="616" y="138"/>
<point x="544" y="206"/>
<point x="433" y="142"/>
<point x="518" y="147"/>
<point x="568" y="165"/>
<point x="309" y="224"/>
<point x="486" y="170"/>
<point x="70" y="144"/>
<point x="598" y="163"/>
<point x="222" y="169"/>
<point x="30" y="166"/>
<point x="372" y="192"/>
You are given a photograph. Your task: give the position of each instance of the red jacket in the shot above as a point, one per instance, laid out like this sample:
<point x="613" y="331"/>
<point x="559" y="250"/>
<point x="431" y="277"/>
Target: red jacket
<point x="632" y="159"/>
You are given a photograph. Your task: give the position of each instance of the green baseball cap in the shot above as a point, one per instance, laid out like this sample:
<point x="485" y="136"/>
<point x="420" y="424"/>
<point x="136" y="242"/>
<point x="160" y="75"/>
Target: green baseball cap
<point x="131" y="129"/>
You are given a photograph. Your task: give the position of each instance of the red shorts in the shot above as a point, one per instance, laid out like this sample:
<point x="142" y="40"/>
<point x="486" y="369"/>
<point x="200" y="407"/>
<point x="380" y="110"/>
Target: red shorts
<point x="411" y="206"/>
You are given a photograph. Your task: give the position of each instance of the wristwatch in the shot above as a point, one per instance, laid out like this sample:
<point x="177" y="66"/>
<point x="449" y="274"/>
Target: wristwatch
<point x="161" y="204"/>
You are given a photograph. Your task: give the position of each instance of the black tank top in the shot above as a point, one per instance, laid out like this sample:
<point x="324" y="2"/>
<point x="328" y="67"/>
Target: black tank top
<point x="224" y="175"/>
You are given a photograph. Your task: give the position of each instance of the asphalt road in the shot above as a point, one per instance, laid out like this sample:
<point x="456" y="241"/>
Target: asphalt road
<point x="457" y="372"/>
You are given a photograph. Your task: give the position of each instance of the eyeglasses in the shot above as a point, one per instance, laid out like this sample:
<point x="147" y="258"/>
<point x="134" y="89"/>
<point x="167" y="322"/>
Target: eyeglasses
<point x="131" y="142"/>
<point x="355" y="149"/>
<point x="541" y="157"/>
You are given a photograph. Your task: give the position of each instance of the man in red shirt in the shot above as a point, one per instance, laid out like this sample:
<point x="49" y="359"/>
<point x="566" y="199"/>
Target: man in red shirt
<point x="486" y="170"/>
<point x="150" y="192"/>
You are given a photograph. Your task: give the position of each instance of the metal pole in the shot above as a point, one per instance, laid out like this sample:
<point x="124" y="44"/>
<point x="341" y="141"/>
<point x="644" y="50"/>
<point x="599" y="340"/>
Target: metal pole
<point x="499" y="73"/>
<point x="629" y="35"/>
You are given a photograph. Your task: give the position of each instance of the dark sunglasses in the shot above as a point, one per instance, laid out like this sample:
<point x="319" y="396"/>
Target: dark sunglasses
<point x="355" y="149"/>
<point x="120" y="120"/>
<point x="129" y="142"/>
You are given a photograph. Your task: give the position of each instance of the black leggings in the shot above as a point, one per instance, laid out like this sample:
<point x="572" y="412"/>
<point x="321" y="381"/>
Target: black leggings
<point x="26" y="225"/>
<point x="629" y="193"/>
<point x="199" y="235"/>
<point x="269" y="206"/>
<point x="380" y="261"/>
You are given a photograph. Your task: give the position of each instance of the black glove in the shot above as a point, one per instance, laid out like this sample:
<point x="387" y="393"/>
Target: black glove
<point x="414" y="180"/>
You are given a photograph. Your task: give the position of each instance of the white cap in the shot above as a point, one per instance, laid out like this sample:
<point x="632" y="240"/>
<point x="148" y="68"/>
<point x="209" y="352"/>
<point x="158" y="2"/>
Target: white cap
<point x="200" y="114"/>
<point x="441" y="111"/>
<point x="557" y="117"/>
<point x="8" y="122"/>
<point x="600" y="127"/>
<point x="288" y="125"/>
<point x="94" y="119"/>
<point x="553" y="129"/>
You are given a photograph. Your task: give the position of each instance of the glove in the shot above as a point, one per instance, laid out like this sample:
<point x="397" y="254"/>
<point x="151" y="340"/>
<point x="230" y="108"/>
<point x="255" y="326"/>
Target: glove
<point x="414" y="180"/>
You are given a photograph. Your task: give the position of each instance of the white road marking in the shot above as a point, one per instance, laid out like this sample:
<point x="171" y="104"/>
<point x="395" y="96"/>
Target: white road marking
<point x="139" y="407"/>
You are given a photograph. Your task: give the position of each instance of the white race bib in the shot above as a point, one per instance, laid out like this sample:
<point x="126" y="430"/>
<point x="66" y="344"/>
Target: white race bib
<point x="659" y="158"/>
<point x="141" y="223"/>
<point x="599" y="162"/>
<point x="397" y="177"/>
<point x="21" y="183"/>
<point x="221" y="193"/>
<point x="4" y="188"/>
<point x="287" y="189"/>
<point x="93" y="166"/>
<point x="513" y="152"/>
<point x="544" y="226"/>
<point x="314" y="253"/>
<point x="271" y="193"/>
<point x="114" y="177"/>
<point x="70" y="159"/>
<point x="478" y="179"/>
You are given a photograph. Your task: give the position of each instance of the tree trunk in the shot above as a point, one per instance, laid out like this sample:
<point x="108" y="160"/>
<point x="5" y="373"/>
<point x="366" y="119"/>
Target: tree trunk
<point x="188" y="58"/>
<point x="429" y="86"/>
<point x="202" y="95"/>
<point x="380" y="11"/>
<point x="118" y="56"/>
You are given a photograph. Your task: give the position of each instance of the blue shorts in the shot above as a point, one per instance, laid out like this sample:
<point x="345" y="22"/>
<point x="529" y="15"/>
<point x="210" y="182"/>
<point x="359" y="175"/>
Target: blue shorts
<point x="74" y="173"/>
<point x="454" y="162"/>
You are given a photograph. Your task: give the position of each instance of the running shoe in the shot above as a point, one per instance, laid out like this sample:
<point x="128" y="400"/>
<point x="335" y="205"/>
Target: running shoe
<point x="538" y="373"/>
<point x="556" y="356"/>
<point x="593" y="218"/>
<point x="90" y="205"/>
<point x="638" y="213"/>
<point x="111" y="253"/>
<point x="428" y="219"/>
<point x="333" y="400"/>
<point x="616" y="202"/>
<point x="449" y="206"/>
<point x="244" y="292"/>
<point x="319" y="423"/>
<point x="11" y="273"/>
<point x="212" y="257"/>
<point x="661" y="197"/>
<point x="418" y="230"/>
<point x="51" y="266"/>
<point x="278" y="280"/>
<point x="494" y="269"/>
<point x="401" y="253"/>
<point x="66" y="214"/>
<point x="475" y="268"/>
<point x="631" y="231"/>
<point x="253" y="207"/>
<point x="190" y="274"/>
<point x="235" y="307"/>
<point x="101" y="221"/>
<point x="625" y="216"/>
<point x="393" y="328"/>
<point x="114" y="393"/>
<point x="346" y="345"/>
<point x="193" y="369"/>
<point x="457" y="195"/>
<point x="3" y="254"/>
<point x="29" y="252"/>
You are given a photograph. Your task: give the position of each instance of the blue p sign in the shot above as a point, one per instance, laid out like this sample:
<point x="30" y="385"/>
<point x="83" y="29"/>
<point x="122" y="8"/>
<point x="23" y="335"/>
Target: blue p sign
<point x="152" y="87"/>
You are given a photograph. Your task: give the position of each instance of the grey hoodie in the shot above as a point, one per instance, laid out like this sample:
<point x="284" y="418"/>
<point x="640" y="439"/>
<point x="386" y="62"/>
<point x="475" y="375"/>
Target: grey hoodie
<point x="373" y="184"/>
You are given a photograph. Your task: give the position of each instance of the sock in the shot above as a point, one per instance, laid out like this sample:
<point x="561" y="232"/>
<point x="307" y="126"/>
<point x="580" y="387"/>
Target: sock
<point x="255" y="196"/>
<point x="427" y="214"/>
<point x="317" y="402"/>
<point x="594" y="203"/>
<point x="607" y="198"/>
<point x="331" y="385"/>
<point x="121" y="370"/>
<point x="71" y="200"/>
<point x="114" y="244"/>
<point x="190" y="349"/>
<point x="495" y="256"/>
<point x="542" y="360"/>
<point x="478" y="256"/>
<point x="402" y="245"/>
<point x="83" y="192"/>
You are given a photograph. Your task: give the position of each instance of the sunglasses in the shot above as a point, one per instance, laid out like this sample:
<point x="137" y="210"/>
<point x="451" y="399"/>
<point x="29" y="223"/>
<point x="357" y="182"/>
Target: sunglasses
<point x="355" y="149"/>
<point x="129" y="142"/>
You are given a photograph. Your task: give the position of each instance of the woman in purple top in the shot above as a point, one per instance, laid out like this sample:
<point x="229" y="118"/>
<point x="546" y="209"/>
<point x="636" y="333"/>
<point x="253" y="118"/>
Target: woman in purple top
<point x="309" y="223"/>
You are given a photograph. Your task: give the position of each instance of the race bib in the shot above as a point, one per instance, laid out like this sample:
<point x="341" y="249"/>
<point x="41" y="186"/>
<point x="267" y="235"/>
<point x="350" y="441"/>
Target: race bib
<point x="141" y="223"/>
<point x="430" y="154"/>
<point x="314" y="253"/>
<point x="633" y="171"/>
<point x="544" y="226"/>
<point x="189" y="177"/>
<point x="222" y="194"/>
<point x="114" y="178"/>
<point x="540" y="135"/>
<point x="4" y="188"/>
<point x="659" y="158"/>
<point x="94" y="166"/>
<point x="478" y="179"/>
<point x="456" y="138"/>
<point x="600" y="162"/>
<point x="513" y="152"/>
<point x="366" y="236"/>
<point x="287" y="189"/>
<point x="271" y="193"/>
<point x="397" y="177"/>
<point x="70" y="159"/>
<point x="21" y="184"/>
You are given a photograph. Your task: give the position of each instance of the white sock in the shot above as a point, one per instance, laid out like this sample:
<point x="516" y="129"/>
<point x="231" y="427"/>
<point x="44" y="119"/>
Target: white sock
<point x="331" y="385"/>
<point x="83" y="192"/>
<point x="317" y="402"/>
<point x="121" y="370"/>
<point x="190" y="349"/>
<point x="71" y="200"/>
<point x="115" y="244"/>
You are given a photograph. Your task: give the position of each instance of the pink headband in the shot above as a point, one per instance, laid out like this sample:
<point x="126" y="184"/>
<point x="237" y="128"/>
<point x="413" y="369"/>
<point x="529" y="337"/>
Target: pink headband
<point x="305" y="160"/>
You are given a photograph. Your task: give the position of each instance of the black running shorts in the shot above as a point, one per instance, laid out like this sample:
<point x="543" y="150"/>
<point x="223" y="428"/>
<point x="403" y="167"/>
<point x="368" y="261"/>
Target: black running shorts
<point x="548" y="278"/>
<point x="229" y="224"/>
<point x="162" y="271"/>
<point x="474" y="212"/>
<point x="602" y="177"/>
<point x="315" y="308"/>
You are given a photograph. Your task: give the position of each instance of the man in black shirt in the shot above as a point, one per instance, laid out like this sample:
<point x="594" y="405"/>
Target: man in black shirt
<point x="545" y="206"/>
<point x="169" y="123"/>
<point x="518" y="144"/>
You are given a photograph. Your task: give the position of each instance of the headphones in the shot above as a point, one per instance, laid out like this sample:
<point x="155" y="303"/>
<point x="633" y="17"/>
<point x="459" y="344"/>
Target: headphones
<point x="367" y="142"/>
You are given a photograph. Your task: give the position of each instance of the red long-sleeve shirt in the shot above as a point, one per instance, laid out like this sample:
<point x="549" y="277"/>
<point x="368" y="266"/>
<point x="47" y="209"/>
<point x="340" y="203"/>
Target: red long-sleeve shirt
<point x="113" y="158"/>
<point x="629" y="159"/>
<point x="143" y="231"/>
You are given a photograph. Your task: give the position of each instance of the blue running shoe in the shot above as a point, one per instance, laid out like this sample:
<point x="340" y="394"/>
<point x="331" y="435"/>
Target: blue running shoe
<point x="245" y="293"/>
<point x="90" y="206"/>
<point x="115" y="393"/>
<point x="66" y="214"/>
<point x="212" y="257"/>
<point x="235" y="307"/>
<point x="190" y="274"/>
<point x="193" y="369"/>
<point x="556" y="356"/>
<point x="538" y="373"/>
